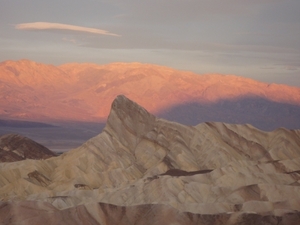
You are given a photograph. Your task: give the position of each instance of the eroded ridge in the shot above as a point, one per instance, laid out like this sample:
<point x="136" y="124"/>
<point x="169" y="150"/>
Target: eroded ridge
<point x="212" y="173"/>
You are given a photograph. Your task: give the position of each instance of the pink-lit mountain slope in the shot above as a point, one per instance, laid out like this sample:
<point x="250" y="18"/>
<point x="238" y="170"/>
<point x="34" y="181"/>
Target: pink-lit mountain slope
<point x="84" y="92"/>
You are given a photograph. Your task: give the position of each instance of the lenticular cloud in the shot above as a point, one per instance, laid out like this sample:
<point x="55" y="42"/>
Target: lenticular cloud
<point x="60" y="26"/>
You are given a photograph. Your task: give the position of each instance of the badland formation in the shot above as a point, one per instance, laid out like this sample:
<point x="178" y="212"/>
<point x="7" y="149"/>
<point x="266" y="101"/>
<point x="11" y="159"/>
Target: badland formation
<point x="144" y="170"/>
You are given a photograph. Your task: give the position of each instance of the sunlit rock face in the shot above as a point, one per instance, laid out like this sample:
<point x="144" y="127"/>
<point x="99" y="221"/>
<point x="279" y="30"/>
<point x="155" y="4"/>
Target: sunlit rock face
<point x="14" y="147"/>
<point x="146" y="170"/>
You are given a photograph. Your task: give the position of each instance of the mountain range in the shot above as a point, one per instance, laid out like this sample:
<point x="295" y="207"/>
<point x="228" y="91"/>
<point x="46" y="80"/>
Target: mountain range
<point x="142" y="169"/>
<point x="32" y="91"/>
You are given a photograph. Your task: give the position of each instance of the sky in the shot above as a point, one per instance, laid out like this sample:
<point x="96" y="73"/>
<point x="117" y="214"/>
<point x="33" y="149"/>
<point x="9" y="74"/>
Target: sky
<point x="259" y="39"/>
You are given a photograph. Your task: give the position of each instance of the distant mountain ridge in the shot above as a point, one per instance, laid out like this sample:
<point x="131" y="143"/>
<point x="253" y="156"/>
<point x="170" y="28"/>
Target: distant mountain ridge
<point x="84" y="92"/>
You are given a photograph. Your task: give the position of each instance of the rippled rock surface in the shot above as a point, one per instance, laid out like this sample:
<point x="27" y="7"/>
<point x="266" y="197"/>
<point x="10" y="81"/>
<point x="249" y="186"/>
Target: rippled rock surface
<point x="146" y="170"/>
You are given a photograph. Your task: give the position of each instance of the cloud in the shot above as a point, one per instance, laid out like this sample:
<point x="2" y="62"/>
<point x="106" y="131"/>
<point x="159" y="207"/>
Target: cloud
<point x="70" y="40"/>
<point x="60" y="26"/>
<point x="291" y="68"/>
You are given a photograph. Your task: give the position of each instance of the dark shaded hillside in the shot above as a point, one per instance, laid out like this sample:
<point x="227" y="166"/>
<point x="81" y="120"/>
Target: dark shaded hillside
<point x="259" y="112"/>
<point x="14" y="147"/>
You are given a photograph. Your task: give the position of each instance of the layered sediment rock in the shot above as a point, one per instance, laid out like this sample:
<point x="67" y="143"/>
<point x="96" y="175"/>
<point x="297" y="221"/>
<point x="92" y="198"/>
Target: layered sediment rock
<point x="145" y="170"/>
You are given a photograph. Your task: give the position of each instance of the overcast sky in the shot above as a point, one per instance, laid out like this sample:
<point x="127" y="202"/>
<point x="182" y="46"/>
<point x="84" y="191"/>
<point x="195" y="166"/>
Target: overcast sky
<point x="259" y="39"/>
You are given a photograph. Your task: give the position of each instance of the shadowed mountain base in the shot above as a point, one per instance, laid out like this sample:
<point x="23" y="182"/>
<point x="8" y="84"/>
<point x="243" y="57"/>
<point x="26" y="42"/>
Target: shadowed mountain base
<point x="261" y="113"/>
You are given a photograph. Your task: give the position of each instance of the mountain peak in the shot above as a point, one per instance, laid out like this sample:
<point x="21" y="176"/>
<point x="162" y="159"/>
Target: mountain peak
<point x="127" y="117"/>
<point x="132" y="109"/>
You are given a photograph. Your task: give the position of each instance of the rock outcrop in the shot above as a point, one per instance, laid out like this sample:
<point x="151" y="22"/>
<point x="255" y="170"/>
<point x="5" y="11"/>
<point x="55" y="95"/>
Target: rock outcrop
<point x="14" y="147"/>
<point x="146" y="170"/>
